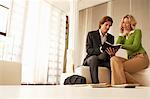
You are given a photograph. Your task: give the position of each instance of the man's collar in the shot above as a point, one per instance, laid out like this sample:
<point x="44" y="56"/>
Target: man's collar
<point x="101" y="33"/>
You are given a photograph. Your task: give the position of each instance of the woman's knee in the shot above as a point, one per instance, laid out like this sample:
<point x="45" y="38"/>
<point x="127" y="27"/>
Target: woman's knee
<point x="114" y="58"/>
<point x="114" y="62"/>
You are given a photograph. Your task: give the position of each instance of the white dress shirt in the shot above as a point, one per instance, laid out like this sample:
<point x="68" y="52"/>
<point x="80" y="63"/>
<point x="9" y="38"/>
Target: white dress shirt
<point x="103" y="38"/>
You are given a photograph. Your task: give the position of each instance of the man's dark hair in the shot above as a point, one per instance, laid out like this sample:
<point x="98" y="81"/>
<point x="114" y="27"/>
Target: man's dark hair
<point x="105" y="19"/>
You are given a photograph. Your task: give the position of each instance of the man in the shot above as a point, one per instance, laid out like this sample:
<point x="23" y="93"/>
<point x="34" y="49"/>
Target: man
<point x="96" y="55"/>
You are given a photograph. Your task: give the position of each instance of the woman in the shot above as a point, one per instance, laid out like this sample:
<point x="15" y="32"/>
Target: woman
<point x="131" y="39"/>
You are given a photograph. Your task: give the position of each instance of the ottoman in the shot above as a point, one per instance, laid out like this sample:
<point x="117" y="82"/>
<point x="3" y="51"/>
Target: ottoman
<point x="103" y="74"/>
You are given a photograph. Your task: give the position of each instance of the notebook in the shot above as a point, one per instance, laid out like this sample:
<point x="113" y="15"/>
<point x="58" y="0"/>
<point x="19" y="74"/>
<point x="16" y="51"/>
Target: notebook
<point x="107" y="45"/>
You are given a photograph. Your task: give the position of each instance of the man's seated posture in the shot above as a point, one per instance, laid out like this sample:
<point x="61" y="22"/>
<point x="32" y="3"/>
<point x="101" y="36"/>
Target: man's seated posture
<point x="96" y="55"/>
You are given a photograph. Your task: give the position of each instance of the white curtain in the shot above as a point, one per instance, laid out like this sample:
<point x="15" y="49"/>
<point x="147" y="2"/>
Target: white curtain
<point x="85" y="25"/>
<point x="35" y="49"/>
<point x="36" y="39"/>
<point x="43" y="45"/>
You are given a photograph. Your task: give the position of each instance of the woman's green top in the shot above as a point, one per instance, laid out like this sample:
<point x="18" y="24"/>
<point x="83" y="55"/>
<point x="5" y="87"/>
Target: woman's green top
<point x="132" y="43"/>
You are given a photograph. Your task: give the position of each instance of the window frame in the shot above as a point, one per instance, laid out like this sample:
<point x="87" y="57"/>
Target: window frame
<point x="4" y="7"/>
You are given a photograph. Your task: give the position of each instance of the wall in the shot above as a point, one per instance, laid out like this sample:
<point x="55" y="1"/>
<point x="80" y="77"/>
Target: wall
<point x="97" y="13"/>
<point x="140" y="10"/>
<point x="118" y="10"/>
<point x="149" y="26"/>
<point x="149" y="10"/>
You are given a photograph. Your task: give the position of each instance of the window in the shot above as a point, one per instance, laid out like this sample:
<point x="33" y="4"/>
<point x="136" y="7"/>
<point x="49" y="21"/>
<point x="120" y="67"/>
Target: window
<point x="4" y="15"/>
<point x="35" y="38"/>
<point x="12" y="42"/>
<point x="56" y="45"/>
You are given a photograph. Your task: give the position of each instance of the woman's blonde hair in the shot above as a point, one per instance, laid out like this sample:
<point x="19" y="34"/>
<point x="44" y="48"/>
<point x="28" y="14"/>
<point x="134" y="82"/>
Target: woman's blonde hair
<point x="131" y="20"/>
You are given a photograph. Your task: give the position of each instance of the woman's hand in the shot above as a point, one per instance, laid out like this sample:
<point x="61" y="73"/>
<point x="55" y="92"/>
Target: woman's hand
<point x="125" y="32"/>
<point x="111" y="51"/>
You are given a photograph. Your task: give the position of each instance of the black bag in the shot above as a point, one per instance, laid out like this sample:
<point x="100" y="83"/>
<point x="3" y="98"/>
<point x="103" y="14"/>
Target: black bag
<point x="75" y="79"/>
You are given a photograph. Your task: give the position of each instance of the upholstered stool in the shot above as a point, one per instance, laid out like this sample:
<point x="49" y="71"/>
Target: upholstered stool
<point x="103" y="73"/>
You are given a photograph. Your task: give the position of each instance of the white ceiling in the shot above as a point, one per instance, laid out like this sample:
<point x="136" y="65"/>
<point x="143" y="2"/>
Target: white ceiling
<point x="89" y="3"/>
<point x="64" y="4"/>
<point x="61" y="4"/>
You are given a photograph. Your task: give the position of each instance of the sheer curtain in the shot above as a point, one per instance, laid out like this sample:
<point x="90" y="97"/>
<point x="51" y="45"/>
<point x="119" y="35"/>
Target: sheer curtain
<point x="85" y="25"/>
<point x="43" y="45"/>
<point x="35" y="49"/>
<point x="36" y="39"/>
<point x="57" y="29"/>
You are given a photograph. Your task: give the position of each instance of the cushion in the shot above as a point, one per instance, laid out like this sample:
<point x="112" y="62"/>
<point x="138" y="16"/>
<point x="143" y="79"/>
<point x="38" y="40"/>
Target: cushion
<point x="103" y="73"/>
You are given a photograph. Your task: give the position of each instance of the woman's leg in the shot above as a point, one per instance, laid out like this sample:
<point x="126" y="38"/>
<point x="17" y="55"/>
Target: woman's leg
<point x="139" y="62"/>
<point x="130" y="79"/>
<point x="117" y="70"/>
<point x="122" y="68"/>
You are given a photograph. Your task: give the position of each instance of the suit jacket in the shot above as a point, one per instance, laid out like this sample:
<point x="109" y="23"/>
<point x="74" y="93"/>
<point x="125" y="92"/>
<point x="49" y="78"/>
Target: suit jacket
<point x="93" y="44"/>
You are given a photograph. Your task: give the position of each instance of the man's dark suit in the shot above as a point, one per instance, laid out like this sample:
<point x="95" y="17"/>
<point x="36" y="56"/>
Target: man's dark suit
<point x="94" y="56"/>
